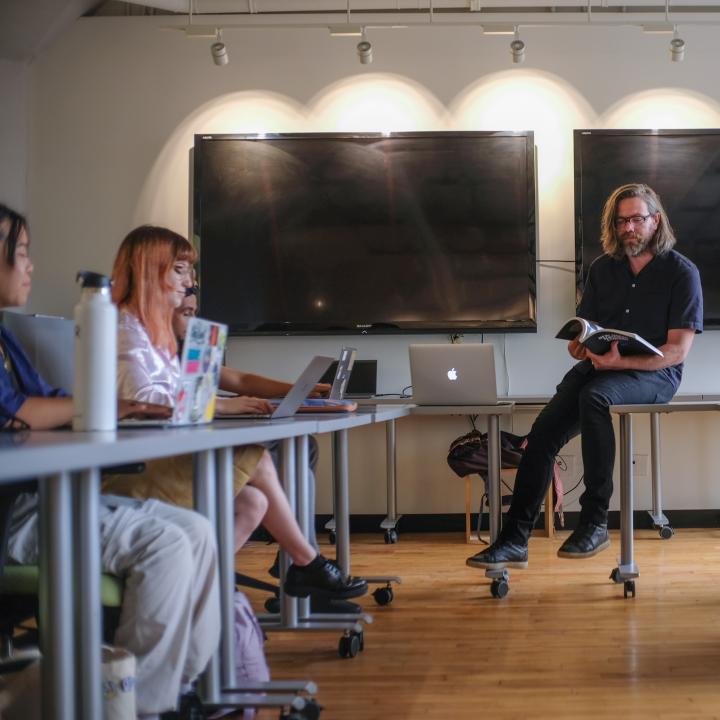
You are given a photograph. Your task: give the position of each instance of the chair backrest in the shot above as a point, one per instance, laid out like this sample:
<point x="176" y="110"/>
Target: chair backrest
<point x="8" y="495"/>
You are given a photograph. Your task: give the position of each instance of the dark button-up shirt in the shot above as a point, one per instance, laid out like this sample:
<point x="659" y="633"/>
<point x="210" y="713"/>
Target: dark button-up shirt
<point x="665" y="295"/>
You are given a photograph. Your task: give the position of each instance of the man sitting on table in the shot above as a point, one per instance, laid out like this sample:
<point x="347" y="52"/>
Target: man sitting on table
<point x="639" y="284"/>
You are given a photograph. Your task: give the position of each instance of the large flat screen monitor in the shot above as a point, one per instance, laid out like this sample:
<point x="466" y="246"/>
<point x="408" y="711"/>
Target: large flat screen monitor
<point x="683" y="166"/>
<point x="366" y="233"/>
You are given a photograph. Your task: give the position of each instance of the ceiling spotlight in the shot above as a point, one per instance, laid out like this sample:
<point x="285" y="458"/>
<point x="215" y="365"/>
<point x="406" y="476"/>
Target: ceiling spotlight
<point x="219" y="52"/>
<point x="365" y="51"/>
<point x="517" y="48"/>
<point x="677" y="48"/>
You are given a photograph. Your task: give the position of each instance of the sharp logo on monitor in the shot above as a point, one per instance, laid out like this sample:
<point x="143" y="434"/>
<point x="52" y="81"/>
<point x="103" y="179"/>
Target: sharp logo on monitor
<point x="452" y="374"/>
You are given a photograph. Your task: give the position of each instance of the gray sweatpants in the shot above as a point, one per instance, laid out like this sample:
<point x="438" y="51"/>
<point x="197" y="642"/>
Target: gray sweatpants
<point x="170" y="616"/>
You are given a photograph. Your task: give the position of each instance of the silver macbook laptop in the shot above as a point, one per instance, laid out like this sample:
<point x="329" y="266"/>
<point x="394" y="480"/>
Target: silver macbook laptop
<point x="194" y="402"/>
<point x="49" y="342"/>
<point x="453" y="374"/>
<point x="298" y="392"/>
<point x="342" y="374"/>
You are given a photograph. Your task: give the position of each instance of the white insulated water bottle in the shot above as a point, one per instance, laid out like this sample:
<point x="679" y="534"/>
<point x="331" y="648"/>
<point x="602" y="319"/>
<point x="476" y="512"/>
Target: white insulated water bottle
<point x="94" y="394"/>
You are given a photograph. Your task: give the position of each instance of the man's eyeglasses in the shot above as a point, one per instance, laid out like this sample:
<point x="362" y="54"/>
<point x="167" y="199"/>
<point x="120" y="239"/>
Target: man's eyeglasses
<point x="194" y="290"/>
<point x="635" y="220"/>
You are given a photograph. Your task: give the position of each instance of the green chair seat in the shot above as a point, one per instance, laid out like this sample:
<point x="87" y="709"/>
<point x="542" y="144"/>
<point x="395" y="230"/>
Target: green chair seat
<point x="24" y="580"/>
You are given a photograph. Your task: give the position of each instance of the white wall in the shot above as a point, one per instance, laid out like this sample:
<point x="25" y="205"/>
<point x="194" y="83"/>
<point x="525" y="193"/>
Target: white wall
<point x="116" y="101"/>
<point x="13" y="135"/>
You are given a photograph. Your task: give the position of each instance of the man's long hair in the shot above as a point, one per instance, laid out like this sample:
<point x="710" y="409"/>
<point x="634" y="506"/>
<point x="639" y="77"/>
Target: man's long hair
<point x="664" y="237"/>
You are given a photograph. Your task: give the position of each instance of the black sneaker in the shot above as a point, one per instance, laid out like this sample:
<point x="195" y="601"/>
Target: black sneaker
<point x="274" y="570"/>
<point x="322" y="578"/>
<point x="501" y="554"/>
<point x="586" y="540"/>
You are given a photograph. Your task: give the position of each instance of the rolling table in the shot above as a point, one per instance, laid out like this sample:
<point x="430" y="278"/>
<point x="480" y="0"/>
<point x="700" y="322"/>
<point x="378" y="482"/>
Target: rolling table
<point x="626" y="570"/>
<point x="68" y="466"/>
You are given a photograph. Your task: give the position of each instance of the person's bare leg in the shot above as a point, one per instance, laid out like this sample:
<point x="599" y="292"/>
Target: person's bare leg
<point x="250" y="507"/>
<point x="279" y="519"/>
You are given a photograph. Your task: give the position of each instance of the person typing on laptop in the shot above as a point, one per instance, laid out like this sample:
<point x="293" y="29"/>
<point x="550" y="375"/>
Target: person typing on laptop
<point x="639" y="284"/>
<point x="151" y="274"/>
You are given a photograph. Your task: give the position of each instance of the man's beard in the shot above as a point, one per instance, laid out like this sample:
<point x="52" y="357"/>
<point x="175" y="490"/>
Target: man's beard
<point x="636" y="248"/>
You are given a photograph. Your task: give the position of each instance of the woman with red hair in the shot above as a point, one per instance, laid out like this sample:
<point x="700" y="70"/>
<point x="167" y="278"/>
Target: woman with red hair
<point x="151" y="274"/>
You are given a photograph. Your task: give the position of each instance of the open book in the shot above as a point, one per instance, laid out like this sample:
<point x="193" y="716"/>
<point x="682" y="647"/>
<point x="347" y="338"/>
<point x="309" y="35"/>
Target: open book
<point x="597" y="339"/>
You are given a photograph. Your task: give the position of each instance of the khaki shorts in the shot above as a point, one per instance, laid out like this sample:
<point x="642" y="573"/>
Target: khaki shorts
<point x="170" y="479"/>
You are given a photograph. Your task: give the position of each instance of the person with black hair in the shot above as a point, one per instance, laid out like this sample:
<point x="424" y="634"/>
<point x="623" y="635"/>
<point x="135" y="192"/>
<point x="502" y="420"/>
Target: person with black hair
<point x="166" y="555"/>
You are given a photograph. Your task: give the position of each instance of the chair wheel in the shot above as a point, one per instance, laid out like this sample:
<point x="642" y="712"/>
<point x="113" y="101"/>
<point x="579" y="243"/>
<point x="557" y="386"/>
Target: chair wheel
<point x="499" y="588"/>
<point x="391" y="536"/>
<point x="629" y="588"/>
<point x="350" y="645"/>
<point x="383" y="595"/>
<point x="331" y="537"/>
<point x="615" y="575"/>
<point x="666" y="532"/>
<point x="272" y="605"/>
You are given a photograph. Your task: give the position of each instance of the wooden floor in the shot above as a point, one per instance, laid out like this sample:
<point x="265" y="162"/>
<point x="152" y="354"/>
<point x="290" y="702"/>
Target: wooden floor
<point x="564" y="643"/>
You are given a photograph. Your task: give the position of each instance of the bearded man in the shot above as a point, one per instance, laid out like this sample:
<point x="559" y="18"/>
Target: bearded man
<point x="639" y="284"/>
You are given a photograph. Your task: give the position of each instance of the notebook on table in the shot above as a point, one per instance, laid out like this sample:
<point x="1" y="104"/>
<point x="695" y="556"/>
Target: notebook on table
<point x="200" y="364"/>
<point x="453" y="374"/>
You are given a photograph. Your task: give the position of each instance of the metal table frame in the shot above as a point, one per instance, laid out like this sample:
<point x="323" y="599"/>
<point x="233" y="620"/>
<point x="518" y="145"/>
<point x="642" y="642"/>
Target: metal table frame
<point x="627" y="571"/>
<point x="67" y="465"/>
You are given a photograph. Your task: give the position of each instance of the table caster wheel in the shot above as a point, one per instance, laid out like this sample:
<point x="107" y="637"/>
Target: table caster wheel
<point x="629" y="588"/>
<point x="349" y="645"/>
<point x="383" y="595"/>
<point x="331" y="537"/>
<point x="499" y="588"/>
<point x="311" y="711"/>
<point x="391" y="536"/>
<point x="666" y="532"/>
<point x="615" y="575"/>
<point x="272" y="605"/>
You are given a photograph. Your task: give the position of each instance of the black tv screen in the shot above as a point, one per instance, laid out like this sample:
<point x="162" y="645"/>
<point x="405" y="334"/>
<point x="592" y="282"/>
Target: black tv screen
<point x="683" y="166"/>
<point x="340" y="233"/>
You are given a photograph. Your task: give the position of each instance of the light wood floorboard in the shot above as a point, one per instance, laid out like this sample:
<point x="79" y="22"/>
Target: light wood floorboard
<point x="563" y="644"/>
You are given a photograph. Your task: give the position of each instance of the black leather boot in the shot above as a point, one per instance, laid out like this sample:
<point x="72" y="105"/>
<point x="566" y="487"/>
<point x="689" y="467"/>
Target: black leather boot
<point x="322" y="578"/>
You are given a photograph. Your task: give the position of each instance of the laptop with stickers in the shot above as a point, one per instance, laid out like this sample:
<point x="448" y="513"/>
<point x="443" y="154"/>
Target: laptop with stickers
<point x="200" y="364"/>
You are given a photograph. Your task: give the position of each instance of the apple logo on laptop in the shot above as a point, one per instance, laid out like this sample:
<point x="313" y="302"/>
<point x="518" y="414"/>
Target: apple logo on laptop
<point x="452" y="374"/>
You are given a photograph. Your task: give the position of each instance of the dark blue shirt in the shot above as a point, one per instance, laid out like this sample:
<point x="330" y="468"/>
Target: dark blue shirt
<point x="665" y="295"/>
<point x="14" y="391"/>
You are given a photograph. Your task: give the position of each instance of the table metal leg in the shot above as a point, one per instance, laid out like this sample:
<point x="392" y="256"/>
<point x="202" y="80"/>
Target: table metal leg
<point x="204" y="496"/>
<point x="288" y="605"/>
<point x="89" y="600"/>
<point x="305" y="513"/>
<point x="342" y="501"/>
<point x="660" y="521"/>
<point x="226" y="561"/>
<point x="626" y="570"/>
<point x="500" y="577"/>
<point x="494" y="491"/>
<point x="57" y="637"/>
<point x="389" y="524"/>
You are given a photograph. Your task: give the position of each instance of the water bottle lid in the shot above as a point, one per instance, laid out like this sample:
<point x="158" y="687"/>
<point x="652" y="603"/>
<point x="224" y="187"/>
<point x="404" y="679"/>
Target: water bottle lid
<point x="88" y="279"/>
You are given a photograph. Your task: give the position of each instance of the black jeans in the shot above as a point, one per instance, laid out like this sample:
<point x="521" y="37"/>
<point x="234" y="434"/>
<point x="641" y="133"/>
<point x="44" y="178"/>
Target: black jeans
<point x="580" y="406"/>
